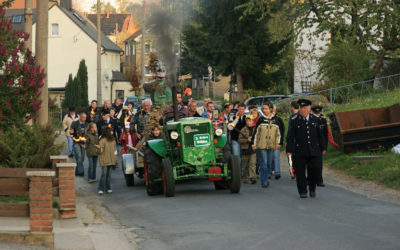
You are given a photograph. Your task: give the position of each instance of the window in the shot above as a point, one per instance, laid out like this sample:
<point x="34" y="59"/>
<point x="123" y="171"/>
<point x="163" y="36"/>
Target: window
<point x="147" y="47"/>
<point x="127" y="47"/>
<point x="147" y="70"/>
<point x="133" y="49"/>
<point x="54" y="29"/>
<point x="119" y="94"/>
<point x="17" y="19"/>
<point x="305" y="86"/>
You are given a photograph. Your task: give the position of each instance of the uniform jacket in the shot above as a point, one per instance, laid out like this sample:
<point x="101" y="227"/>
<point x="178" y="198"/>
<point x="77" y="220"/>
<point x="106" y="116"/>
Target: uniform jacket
<point x="92" y="140"/>
<point x="267" y="135"/>
<point x="244" y="134"/>
<point x="323" y="126"/>
<point x="108" y="149"/>
<point x="304" y="137"/>
<point x="67" y="122"/>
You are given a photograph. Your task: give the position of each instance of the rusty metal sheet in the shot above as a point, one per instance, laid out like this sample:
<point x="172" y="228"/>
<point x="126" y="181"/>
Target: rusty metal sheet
<point x="366" y="130"/>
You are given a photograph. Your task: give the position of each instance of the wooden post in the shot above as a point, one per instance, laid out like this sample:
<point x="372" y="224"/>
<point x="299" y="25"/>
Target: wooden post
<point x="99" y="87"/>
<point x="42" y="27"/>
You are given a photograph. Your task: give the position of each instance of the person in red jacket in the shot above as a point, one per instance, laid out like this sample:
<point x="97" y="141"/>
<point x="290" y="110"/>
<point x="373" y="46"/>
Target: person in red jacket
<point x="127" y="138"/>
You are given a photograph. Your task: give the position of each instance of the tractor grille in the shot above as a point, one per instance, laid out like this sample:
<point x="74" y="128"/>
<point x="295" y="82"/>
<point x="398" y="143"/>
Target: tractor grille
<point x="190" y="130"/>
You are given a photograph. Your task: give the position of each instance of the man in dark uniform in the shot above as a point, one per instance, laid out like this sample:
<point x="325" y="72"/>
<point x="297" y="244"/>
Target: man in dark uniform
<point x="305" y="143"/>
<point x="323" y="126"/>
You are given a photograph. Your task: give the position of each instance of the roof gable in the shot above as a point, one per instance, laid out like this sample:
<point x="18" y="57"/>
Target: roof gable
<point x="90" y="30"/>
<point x="109" y="25"/>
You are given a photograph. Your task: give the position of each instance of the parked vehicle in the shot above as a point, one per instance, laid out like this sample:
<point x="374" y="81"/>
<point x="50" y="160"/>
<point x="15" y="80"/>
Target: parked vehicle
<point x="193" y="148"/>
<point x="259" y="100"/>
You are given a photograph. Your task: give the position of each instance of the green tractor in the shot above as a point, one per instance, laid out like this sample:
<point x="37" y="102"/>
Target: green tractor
<point x="193" y="148"/>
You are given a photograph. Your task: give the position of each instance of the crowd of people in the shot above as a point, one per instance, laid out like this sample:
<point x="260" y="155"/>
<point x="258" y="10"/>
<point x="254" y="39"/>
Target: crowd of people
<point x="256" y="138"/>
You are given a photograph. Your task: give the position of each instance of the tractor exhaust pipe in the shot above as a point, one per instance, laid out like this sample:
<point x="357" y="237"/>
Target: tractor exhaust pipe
<point x="174" y="102"/>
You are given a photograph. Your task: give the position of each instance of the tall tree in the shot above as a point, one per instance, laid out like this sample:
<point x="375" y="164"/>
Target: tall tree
<point x="70" y="93"/>
<point x="103" y="7"/>
<point x="235" y="45"/>
<point x="82" y="80"/>
<point x="371" y="25"/>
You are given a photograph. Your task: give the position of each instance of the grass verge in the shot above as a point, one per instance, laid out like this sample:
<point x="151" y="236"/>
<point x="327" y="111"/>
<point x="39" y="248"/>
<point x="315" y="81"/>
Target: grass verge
<point x="385" y="170"/>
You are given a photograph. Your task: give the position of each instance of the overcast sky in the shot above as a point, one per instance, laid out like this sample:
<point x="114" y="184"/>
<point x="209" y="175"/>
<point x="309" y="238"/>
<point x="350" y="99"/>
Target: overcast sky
<point x="86" y="4"/>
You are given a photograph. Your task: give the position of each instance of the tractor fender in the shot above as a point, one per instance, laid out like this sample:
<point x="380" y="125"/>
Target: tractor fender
<point x="221" y="141"/>
<point x="158" y="146"/>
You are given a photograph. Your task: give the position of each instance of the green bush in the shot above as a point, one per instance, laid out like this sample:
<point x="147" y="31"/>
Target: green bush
<point x="28" y="146"/>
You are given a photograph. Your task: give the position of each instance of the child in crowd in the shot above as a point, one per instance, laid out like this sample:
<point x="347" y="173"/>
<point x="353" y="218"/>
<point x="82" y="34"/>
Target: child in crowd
<point x="108" y="159"/>
<point x="127" y="138"/>
<point x="155" y="133"/>
<point x="249" y="157"/>
<point x="92" y="148"/>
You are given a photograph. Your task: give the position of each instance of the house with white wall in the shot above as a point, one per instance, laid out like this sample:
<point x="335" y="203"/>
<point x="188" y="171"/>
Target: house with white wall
<point x="72" y="38"/>
<point x="306" y="65"/>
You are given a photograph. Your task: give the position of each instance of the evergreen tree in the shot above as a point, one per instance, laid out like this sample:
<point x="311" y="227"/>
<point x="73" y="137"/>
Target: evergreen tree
<point x="69" y="93"/>
<point x="233" y="43"/>
<point x="82" y="82"/>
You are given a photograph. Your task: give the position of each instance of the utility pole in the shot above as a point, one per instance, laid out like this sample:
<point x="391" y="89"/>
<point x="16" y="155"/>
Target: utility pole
<point x="99" y="96"/>
<point x="42" y="27"/>
<point x="143" y="45"/>
<point x="28" y="23"/>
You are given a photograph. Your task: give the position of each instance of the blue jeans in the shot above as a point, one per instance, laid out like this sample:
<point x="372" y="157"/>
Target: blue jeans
<point x="92" y="167"/>
<point x="236" y="151"/>
<point x="105" y="179"/>
<point x="79" y="157"/>
<point x="266" y="156"/>
<point x="236" y="148"/>
<point x="70" y="145"/>
<point x="277" y="165"/>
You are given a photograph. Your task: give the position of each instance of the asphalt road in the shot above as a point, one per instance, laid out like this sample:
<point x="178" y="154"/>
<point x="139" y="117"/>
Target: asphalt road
<point x="199" y="217"/>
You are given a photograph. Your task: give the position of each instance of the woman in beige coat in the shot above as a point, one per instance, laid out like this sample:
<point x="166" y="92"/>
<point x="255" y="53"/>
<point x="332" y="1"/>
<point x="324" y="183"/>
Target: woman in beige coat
<point x="107" y="158"/>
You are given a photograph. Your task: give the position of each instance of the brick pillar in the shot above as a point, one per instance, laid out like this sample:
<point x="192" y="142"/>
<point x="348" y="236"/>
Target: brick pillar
<point x="41" y="200"/>
<point x="54" y="160"/>
<point x="66" y="174"/>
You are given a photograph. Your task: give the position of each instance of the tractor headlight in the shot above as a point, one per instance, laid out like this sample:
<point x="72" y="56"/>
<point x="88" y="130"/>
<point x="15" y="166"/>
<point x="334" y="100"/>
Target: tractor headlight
<point x="174" y="135"/>
<point x="218" y="132"/>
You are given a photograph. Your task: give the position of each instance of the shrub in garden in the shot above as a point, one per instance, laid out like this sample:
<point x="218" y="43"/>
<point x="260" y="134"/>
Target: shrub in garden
<point x="20" y="77"/>
<point x="28" y="146"/>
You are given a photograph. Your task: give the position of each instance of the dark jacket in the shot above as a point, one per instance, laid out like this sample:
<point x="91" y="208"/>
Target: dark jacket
<point x="239" y="125"/>
<point x="92" y="115"/>
<point x="92" y="139"/>
<point x="304" y="137"/>
<point x="112" y="123"/>
<point x="274" y="119"/>
<point x="79" y="131"/>
<point x="323" y="126"/>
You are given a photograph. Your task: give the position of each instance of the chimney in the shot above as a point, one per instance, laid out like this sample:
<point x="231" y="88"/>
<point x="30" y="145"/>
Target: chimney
<point x="108" y="10"/>
<point x="66" y="4"/>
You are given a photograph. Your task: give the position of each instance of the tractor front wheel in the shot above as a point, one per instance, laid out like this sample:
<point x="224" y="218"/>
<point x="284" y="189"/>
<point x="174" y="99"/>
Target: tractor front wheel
<point x="168" y="178"/>
<point x="234" y="167"/>
<point x="152" y="172"/>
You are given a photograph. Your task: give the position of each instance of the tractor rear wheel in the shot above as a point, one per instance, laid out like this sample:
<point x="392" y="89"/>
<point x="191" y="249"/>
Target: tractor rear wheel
<point x="234" y="167"/>
<point x="153" y="171"/>
<point x="168" y="178"/>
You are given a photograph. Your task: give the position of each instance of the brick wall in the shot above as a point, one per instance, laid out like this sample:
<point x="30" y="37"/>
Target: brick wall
<point x="66" y="174"/>
<point x="41" y="200"/>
